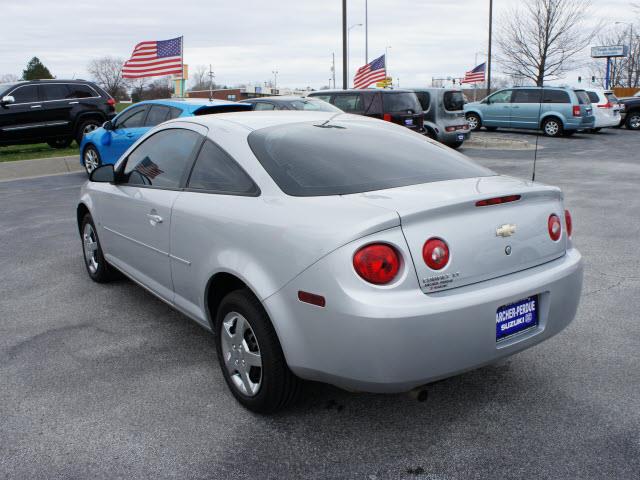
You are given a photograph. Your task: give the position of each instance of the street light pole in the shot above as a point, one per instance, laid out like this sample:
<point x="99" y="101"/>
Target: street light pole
<point x="366" y="31"/>
<point x="386" y="60"/>
<point x="344" y="44"/>
<point x="489" y="54"/>
<point x="275" y="80"/>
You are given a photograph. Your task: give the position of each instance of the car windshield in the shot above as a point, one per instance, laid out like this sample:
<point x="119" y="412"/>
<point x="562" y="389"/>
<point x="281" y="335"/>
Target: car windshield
<point x="401" y="102"/>
<point x="6" y="86"/>
<point x="583" y="98"/>
<point x="313" y="104"/>
<point x="344" y="157"/>
<point x="453" y="101"/>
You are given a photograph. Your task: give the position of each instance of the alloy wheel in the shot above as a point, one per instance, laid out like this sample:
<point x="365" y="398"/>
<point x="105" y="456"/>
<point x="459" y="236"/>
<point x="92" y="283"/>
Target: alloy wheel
<point x="90" y="248"/>
<point x="89" y="127"/>
<point x="551" y="128"/>
<point x="91" y="161"/>
<point x="241" y="354"/>
<point x="634" y="122"/>
<point x="472" y="120"/>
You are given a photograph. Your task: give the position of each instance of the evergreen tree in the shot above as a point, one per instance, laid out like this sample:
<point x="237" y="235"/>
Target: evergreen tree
<point x="35" y="70"/>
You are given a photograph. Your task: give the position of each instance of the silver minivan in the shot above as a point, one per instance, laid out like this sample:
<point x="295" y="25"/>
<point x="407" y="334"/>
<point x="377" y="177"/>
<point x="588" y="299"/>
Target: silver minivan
<point x="444" y="118"/>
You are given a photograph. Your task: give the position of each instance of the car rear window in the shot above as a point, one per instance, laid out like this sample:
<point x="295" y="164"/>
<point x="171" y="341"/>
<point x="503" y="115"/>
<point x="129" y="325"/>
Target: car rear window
<point x="425" y="100"/>
<point x="583" y="98"/>
<point x="401" y="102"/>
<point x="611" y="97"/>
<point x="593" y="96"/>
<point x="453" y="101"/>
<point x="343" y="157"/>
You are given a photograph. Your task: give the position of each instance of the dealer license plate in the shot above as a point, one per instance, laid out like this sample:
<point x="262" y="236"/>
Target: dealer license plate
<point x="461" y="136"/>
<point x="408" y="121"/>
<point x="516" y="317"/>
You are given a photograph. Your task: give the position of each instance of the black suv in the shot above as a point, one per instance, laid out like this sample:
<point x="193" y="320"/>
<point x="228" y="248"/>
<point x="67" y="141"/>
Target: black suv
<point x="397" y="106"/>
<point x="52" y="111"/>
<point x="630" y="112"/>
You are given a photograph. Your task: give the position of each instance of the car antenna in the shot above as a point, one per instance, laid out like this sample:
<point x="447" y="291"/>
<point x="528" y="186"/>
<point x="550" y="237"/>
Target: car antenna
<point x="535" y="153"/>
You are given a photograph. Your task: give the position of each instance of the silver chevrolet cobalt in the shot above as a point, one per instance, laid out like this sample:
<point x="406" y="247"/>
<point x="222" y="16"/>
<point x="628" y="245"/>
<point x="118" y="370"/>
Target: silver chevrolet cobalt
<point x="334" y="248"/>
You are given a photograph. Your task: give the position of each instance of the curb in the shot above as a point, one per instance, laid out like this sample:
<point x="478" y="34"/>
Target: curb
<point x="490" y="143"/>
<point x="40" y="167"/>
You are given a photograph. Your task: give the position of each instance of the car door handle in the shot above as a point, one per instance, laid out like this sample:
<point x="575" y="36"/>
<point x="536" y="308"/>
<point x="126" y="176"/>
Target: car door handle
<point x="36" y="106"/>
<point x="154" y="219"/>
<point x="129" y="135"/>
<point x="72" y="103"/>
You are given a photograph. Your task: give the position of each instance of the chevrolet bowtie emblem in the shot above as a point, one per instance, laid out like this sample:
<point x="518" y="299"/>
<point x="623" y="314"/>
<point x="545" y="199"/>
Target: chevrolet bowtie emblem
<point x="506" y="230"/>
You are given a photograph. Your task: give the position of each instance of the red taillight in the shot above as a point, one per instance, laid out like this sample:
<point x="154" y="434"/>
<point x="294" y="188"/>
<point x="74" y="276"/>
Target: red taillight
<point x="568" y="222"/>
<point x="377" y="263"/>
<point x="497" y="200"/>
<point x="605" y="105"/>
<point x="435" y="253"/>
<point x="111" y="102"/>
<point x="555" y="227"/>
<point x="387" y="117"/>
<point x="576" y="111"/>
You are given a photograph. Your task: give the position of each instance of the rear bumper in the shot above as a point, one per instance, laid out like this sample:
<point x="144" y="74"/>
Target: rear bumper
<point x="415" y="339"/>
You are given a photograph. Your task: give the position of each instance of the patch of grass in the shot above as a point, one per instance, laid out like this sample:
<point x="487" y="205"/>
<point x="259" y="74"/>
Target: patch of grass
<point x="38" y="150"/>
<point x="122" y="106"/>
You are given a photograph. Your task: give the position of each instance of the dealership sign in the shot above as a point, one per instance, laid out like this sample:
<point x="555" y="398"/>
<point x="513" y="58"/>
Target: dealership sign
<point x="610" y="51"/>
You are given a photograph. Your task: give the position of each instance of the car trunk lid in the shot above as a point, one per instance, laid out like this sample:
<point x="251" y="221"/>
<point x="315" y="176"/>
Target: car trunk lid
<point x="484" y="241"/>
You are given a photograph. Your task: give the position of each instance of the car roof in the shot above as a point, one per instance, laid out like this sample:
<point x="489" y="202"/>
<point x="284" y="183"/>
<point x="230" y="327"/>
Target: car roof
<point x="187" y="104"/>
<point x="52" y="80"/>
<point x="278" y="98"/>
<point x="270" y="118"/>
<point x="361" y="90"/>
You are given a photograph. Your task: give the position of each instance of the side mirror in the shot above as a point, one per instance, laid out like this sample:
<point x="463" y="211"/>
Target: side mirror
<point x="108" y="126"/>
<point x="103" y="174"/>
<point x="7" y="99"/>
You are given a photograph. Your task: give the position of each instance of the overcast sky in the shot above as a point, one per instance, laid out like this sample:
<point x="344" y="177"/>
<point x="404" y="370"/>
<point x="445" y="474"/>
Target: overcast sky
<point x="247" y="40"/>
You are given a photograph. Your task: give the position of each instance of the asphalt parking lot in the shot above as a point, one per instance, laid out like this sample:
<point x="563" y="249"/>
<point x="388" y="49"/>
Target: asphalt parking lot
<point x="105" y="381"/>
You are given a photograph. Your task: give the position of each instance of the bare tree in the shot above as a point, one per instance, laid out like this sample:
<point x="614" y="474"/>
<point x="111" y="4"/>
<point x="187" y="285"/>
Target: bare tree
<point x="200" y="77"/>
<point x="8" y="78"/>
<point x="107" y="72"/>
<point x="539" y="39"/>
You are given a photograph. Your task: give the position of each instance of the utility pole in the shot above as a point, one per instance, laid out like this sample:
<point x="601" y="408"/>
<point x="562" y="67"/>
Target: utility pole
<point x="344" y="44"/>
<point x="489" y="55"/>
<point x="366" y="31"/>
<point x="211" y="76"/>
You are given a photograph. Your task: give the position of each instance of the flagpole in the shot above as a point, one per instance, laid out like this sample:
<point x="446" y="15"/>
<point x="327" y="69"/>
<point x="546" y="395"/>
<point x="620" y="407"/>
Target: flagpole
<point x="182" y="64"/>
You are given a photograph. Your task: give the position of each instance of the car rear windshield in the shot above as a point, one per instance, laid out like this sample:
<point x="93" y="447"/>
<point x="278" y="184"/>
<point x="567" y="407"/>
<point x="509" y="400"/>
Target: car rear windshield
<point x="593" y="96"/>
<point x="401" y="102"/>
<point x="453" y="101"/>
<point x="583" y="98"/>
<point x="611" y="97"/>
<point x="343" y="157"/>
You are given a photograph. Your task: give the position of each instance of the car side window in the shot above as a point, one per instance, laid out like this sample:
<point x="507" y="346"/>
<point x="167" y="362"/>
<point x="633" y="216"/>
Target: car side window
<point x="593" y="96"/>
<point x="527" y="95"/>
<point x="174" y="113"/>
<point x="132" y="119"/>
<point x="556" y="96"/>
<point x="54" y="91"/>
<point x="157" y="114"/>
<point x="350" y="102"/>
<point x="25" y="94"/>
<point x="501" y="97"/>
<point x="216" y="171"/>
<point x="81" y="91"/>
<point x="326" y="98"/>
<point x="264" y="106"/>
<point x="425" y="100"/>
<point x="160" y="160"/>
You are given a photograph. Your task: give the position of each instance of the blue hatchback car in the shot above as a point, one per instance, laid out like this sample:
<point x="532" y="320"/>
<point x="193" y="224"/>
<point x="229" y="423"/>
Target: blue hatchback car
<point x="106" y="144"/>
<point x="555" y="110"/>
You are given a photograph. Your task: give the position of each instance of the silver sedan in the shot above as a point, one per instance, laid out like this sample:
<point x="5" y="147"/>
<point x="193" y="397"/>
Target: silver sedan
<point x="332" y="247"/>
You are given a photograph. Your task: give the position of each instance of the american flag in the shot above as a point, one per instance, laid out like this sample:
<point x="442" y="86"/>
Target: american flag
<point x="148" y="168"/>
<point x="372" y="72"/>
<point x="475" y="75"/>
<point x="154" y="58"/>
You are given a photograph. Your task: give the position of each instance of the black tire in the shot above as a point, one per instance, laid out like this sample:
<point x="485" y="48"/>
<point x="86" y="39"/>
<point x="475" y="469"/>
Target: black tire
<point x="103" y="272"/>
<point x="278" y="386"/>
<point x="552" y="127"/>
<point x="491" y="129"/>
<point x="596" y="130"/>
<point x="633" y="121"/>
<point x="474" y="121"/>
<point x="91" y="158"/>
<point x="569" y="133"/>
<point x="86" y="126"/>
<point x="431" y="134"/>
<point x="60" y="142"/>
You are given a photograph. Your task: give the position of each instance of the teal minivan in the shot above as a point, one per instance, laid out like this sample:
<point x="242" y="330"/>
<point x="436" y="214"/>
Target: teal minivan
<point x="556" y="110"/>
